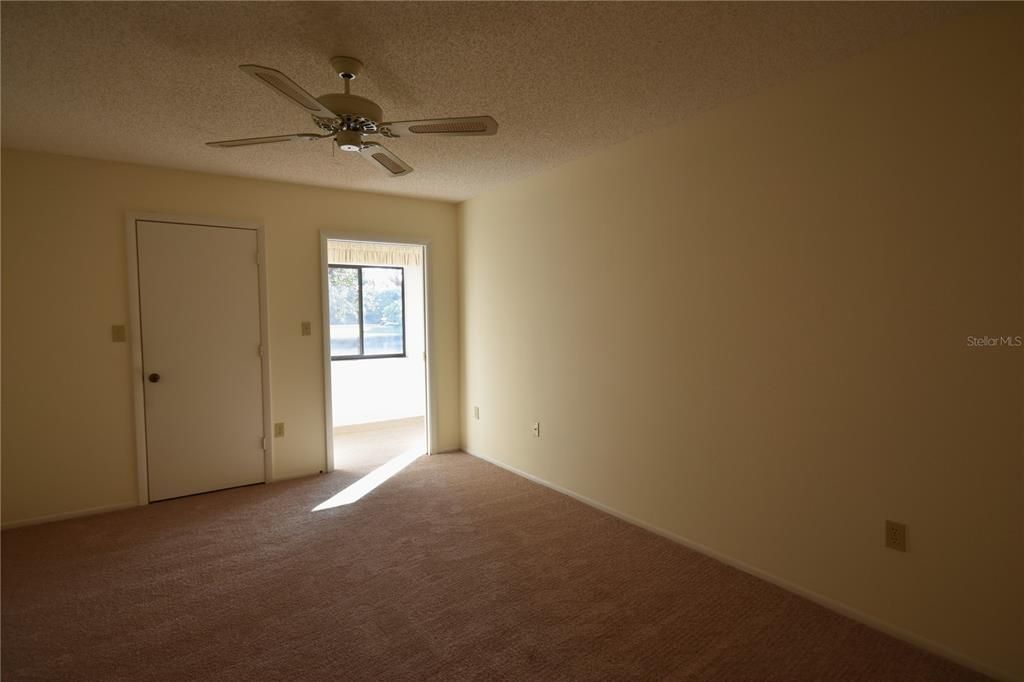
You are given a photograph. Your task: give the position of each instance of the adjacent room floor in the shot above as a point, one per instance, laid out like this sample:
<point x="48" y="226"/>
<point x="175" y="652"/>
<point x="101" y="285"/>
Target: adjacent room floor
<point x="359" y="449"/>
<point x="452" y="569"/>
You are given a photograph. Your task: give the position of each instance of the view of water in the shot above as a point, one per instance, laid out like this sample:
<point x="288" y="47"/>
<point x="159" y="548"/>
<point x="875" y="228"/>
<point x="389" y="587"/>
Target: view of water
<point x="381" y="339"/>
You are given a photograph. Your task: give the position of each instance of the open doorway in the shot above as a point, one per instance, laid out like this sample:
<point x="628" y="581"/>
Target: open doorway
<point x="376" y="339"/>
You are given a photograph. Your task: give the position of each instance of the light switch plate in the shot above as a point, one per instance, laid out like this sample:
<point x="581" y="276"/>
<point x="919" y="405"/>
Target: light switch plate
<point x="307" y="328"/>
<point x="279" y="430"/>
<point x="118" y="334"/>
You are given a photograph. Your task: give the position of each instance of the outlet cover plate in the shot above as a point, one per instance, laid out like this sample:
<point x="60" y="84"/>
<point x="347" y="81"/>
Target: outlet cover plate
<point x="896" y="536"/>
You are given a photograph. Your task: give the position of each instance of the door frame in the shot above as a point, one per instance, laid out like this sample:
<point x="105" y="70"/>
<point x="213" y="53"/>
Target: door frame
<point x="135" y="335"/>
<point x="430" y="389"/>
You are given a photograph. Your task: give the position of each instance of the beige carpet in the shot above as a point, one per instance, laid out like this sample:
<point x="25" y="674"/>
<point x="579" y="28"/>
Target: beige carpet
<point x="452" y="570"/>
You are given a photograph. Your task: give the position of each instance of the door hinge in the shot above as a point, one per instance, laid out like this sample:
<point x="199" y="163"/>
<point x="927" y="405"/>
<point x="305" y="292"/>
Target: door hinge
<point x="259" y="350"/>
<point x="257" y="258"/>
<point x="263" y="443"/>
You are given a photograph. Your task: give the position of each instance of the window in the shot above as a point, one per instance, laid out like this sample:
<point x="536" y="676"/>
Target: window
<point x="367" y="312"/>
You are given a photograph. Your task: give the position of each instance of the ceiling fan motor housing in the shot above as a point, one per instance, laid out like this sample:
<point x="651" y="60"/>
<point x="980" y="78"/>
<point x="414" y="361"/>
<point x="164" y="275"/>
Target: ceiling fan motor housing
<point x="353" y="112"/>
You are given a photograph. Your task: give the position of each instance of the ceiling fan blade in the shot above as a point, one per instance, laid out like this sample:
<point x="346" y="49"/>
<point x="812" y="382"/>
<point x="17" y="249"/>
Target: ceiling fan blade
<point x="385" y="158"/>
<point x="287" y="88"/>
<point x="265" y="140"/>
<point x="467" y="125"/>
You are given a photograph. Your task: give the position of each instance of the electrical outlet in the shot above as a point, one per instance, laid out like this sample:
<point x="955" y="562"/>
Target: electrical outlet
<point x="279" y="430"/>
<point x="535" y="427"/>
<point x="307" y="328"/>
<point x="476" y="412"/>
<point x="118" y="334"/>
<point x="896" y="536"/>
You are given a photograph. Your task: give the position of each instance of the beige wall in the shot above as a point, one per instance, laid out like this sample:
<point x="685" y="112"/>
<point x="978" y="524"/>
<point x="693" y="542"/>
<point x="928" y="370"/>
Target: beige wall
<point x="68" y="441"/>
<point x="751" y="331"/>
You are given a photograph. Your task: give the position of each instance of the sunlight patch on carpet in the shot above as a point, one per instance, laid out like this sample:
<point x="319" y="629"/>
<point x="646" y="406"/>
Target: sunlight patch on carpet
<point x="370" y="481"/>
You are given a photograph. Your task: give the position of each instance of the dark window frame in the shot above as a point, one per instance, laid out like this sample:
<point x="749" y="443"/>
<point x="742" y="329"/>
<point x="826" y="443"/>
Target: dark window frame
<point x="362" y="328"/>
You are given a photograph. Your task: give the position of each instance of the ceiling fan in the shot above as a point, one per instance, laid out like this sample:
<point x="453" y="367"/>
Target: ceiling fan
<point x="350" y="119"/>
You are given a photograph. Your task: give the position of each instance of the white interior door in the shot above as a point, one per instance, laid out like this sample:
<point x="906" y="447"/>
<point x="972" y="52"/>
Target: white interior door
<point x="199" y="301"/>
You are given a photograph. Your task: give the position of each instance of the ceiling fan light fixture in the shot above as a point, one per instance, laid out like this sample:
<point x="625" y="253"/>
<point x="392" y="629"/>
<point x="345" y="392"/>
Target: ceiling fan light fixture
<point x="349" y="141"/>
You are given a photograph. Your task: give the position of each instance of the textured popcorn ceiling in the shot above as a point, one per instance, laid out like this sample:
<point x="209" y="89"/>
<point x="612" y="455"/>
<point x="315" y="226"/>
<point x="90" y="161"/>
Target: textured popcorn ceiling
<point x="151" y="82"/>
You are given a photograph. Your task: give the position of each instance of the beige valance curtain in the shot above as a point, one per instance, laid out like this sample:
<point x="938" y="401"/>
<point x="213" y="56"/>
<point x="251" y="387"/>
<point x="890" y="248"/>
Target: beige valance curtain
<point x="373" y="253"/>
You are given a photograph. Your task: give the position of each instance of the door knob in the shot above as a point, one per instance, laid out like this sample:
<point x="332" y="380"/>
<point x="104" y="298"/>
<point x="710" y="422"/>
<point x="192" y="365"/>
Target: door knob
<point x="154" y="377"/>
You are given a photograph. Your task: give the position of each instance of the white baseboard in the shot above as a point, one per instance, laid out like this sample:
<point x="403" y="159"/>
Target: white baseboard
<point x="828" y="603"/>
<point x="36" y="520"/>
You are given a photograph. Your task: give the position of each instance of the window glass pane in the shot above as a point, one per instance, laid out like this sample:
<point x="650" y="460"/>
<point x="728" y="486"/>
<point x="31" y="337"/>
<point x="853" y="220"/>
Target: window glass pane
<point x="382" y="311"/>
<point x="344" y="310"/>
